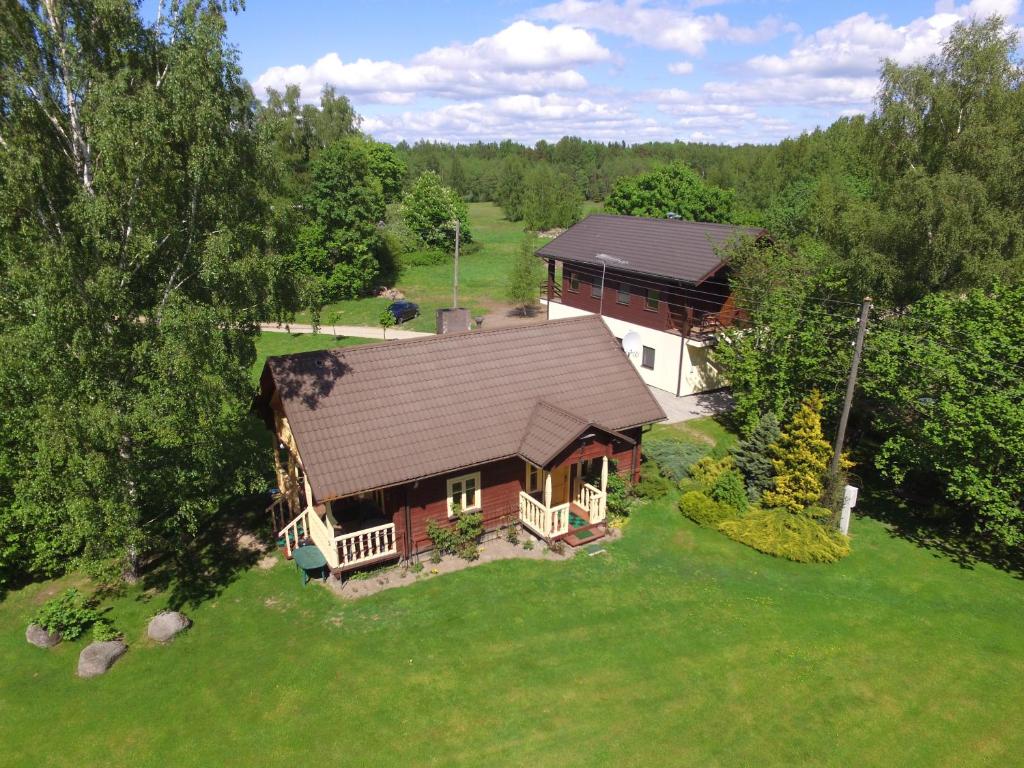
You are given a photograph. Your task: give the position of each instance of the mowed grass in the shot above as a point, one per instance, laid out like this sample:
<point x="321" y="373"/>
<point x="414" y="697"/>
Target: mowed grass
<point x="677" y="647"/>
<point x="483" y="272"/>
<point x="271" y="343"/>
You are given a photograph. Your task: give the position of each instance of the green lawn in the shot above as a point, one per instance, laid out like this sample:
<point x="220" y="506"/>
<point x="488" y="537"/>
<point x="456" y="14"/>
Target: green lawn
<point x="482" y="274"/>
<point x="275" y="343"/>
<point x="678" y="647"/>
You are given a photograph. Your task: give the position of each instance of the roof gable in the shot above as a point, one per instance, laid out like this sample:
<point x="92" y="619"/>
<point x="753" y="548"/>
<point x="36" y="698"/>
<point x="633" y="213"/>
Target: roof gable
<point x="673" y="248"/>
<point x="372" y="416"/>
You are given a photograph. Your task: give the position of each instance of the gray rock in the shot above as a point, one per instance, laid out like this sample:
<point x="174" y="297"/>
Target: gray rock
<point x="97" y="658"/>
<point x="40" y="638"/>
<point x="164" y="626"/>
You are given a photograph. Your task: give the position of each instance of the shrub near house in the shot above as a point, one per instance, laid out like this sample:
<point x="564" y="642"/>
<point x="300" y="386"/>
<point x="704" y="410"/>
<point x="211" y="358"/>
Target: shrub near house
<point x="788" y="522"/>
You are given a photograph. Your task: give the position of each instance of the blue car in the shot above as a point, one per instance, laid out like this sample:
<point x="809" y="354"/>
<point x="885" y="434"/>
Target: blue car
<point x="404" y="310"/>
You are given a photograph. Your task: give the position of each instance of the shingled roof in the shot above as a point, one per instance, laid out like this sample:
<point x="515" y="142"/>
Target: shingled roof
<point x="680" y="250"/>
<point x="372" y="416"/>
<point x="551" y="430"/>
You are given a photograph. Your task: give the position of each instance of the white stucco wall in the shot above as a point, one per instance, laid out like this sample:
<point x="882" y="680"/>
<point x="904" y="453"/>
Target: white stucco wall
<point x="697" y="374"/>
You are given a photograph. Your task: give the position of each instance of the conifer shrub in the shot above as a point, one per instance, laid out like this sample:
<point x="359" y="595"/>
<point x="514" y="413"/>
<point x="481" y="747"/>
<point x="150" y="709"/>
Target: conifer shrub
<point x="781" y="533"/>
<point x="705" y="471"/>
<point x="730" y="490"/>
<point x="704" y="510"/>
<point x="800" y="458"/>
<point x="753" y="457"/>
<point x="674" y="457"/>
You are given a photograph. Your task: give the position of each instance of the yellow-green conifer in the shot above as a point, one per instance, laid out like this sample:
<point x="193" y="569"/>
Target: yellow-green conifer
<point x="800" y="458"/>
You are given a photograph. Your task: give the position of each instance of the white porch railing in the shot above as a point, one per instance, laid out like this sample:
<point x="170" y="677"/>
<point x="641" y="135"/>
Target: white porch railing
<point x="323" y="537"/>
<point x="367" y="544"/>
<point x="345" y="550"/>
<point x="293" y="532"/>
<point x="544" y="521"/>
<point x="595" y="501"/>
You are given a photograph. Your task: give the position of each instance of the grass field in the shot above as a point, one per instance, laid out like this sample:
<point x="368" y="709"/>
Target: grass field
<point x="483" y="271"/>
<point x="677" y="647"/>
<point x="275" y="343"/>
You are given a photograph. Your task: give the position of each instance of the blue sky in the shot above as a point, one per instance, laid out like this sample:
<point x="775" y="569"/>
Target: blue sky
<point x="622" y="70"/>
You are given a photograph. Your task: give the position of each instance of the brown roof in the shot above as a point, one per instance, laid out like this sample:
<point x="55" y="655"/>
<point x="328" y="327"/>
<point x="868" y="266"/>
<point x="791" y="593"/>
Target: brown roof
<point x="371" y="416"/>
<point x="680" y="250"/>
<point x="551" y="430"/>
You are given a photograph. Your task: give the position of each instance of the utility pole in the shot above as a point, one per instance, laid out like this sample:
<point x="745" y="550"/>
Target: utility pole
<point x="851" y="384"/>
<point x="455" y="281"/>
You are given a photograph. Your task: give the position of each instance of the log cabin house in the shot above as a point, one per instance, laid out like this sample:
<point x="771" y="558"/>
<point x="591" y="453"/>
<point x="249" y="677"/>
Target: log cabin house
<point x="521" y="424"/>
<point x="661" y="279"/>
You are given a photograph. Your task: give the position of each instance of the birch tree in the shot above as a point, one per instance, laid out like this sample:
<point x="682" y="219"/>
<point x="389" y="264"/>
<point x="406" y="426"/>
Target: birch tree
<point x="131" y="277"/>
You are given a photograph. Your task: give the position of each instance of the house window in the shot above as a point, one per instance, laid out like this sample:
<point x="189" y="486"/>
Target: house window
<point x="595" y="288"/>
<point x="648" y="360"/>
<point x="464" y="493"/>
<point x="622" y="297"/>
<point x="534" y="478"/>
<point x="574" y="282"/>
<point x="653" y="299"/>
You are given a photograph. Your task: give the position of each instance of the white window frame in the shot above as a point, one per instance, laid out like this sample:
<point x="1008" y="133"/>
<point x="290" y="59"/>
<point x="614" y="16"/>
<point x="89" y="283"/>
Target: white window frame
<point x="461" y="482"/>
<point x="533" y="472"/>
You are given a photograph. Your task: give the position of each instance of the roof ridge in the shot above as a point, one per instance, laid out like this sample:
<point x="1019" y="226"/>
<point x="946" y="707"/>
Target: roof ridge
<point x="675" y="221"/>
<point x="435" y="337"/>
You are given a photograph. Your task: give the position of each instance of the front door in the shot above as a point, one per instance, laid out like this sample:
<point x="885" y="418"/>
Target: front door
<point x="559" y="486"/>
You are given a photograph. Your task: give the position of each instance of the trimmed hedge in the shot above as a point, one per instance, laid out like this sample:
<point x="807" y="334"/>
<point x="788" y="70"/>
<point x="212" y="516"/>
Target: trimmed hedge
<point x="704" y="510"/>
<point x="791" y="536"/>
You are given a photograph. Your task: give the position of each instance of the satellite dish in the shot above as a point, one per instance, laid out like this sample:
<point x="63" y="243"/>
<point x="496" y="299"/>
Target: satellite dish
<point x="631" y="344"/>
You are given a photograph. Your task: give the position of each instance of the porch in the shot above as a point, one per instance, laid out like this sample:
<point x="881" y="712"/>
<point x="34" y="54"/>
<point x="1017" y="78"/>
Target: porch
<point x="558" y="501"/>
<point x="350" y="532"/>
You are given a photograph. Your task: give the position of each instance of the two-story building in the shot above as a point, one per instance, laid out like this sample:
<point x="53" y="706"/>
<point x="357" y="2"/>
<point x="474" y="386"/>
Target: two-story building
<point x="659" y="284"/>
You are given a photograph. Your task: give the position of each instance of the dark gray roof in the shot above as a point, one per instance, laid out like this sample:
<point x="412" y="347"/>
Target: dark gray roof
<point x="681" y="250"/>
<point x="378" y="415"/>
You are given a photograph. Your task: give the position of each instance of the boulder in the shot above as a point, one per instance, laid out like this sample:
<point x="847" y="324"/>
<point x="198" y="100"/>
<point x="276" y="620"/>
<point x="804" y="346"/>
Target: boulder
<point x="96" y="658"/>
<point x="164" y="626"/>
<point x="40" y="638"/>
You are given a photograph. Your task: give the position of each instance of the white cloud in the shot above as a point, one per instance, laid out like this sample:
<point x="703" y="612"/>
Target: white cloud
<point x="522" y="58"/>
<point x="663" y="27"/>
<point x="681" y="67"/>
<point x="837" y="66"/>
<point x="525" y="117"/>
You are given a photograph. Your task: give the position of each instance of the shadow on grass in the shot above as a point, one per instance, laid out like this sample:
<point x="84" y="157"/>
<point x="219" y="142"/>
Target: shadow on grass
<point x="931" y="526"/>
<point x="208" y="563"/>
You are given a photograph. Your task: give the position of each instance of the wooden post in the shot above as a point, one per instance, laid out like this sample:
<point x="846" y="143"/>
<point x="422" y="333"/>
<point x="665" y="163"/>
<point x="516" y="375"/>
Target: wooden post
<point x="851" y="384"/>
<point x="547" y="489"/>
<point x="604" y="474"/>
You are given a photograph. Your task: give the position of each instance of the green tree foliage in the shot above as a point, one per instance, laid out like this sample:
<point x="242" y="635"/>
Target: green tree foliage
<point x="522" y="285"/>
<point x="388" y="168"/>
<point x="131" y="276"/>
<point x="947" y="384"/>
<point x="551" y="199"/>
<point x="948" y="134"/>
<point x="753" y="456"/>
<point x="339" y="246"/>
<point x="800" y="458"/>
<point x="511" y="190"/>
<point x="675" y="188"/>
<point x="429" y="210"/>
<point x="792" y="342"/>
